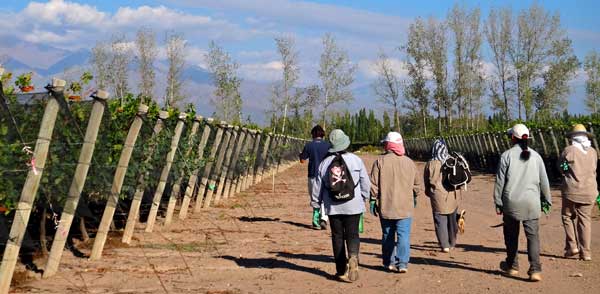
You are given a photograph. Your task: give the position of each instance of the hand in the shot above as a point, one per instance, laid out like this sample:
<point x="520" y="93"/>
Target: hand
<point x="316" y="217"/>
<point x="414" y="199"/>
<point x="499" y="210"/>
<point x="373" y="207"/>
<point x="546" y="207"/>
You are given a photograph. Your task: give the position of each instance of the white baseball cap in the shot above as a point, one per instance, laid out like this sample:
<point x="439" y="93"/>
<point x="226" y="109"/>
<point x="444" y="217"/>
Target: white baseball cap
<point x="518" y="131"/>
<point x="393" y="137"/>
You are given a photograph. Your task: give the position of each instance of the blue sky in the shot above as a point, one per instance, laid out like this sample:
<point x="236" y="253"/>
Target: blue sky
<point x="247" y="28"/>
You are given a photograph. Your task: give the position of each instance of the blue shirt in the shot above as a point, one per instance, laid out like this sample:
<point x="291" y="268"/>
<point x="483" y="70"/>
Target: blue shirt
<point x="314" y="151"/>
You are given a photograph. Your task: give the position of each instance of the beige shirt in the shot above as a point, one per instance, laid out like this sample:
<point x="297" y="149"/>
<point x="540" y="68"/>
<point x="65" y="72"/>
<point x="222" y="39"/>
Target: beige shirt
<point x="579" y="183"/>
<point x="442" y="201"/>
<point x="394" y="179"/>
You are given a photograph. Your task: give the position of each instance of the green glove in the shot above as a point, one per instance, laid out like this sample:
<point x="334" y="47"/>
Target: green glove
<point x="373" y="207"/>
<point x="546" y="207"/>
<point x="316" y="217"/>
<point x="598" y="201"/>
<point x="361" y="225"/>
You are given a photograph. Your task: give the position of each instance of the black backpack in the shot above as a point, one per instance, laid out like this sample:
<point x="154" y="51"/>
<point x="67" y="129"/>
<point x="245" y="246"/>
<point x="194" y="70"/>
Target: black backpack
<point x="455" y="172"/>
<point x="341" y="186"/>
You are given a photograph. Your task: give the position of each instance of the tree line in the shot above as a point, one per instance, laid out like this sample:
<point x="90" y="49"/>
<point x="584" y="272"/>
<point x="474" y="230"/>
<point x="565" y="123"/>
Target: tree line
<point x="448" y="84"/>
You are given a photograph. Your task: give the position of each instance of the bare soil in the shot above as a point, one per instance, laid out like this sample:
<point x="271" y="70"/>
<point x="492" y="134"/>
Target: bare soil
<point x="261" y="242"/>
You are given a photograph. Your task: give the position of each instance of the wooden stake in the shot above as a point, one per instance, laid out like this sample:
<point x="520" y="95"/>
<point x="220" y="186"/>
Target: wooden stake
<point x="232" y="173"/>
<point x="223" y="184"/>
<point x="263" y="158"/>
<point x="32" y="183"/>
<point x="256" y="157"/>
<point x="164" y="175"/>
<point x="251" y="151"/>
<point x="237" y="185"/>
<point x="81" y="171"/>
<point x="191" y="186"/>
<point x="134" y="209"/>
<point x="177" y="186"/>
<point x="208" y="167"/>
<point x="117" y="184"/>
<point x="212" y="184"/>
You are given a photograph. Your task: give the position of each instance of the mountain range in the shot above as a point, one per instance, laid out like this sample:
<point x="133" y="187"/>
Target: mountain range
<point x="48" y="62"/>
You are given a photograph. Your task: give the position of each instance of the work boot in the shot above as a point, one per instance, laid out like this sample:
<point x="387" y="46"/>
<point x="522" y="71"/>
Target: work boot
<point x="535" y="277"/>
<point x="509" y="271"/>
<point x="353" y="268"/>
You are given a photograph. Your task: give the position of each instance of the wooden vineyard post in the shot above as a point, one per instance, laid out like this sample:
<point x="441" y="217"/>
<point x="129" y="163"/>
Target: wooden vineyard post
<point x="32" y="183"/>
<point x="240" y="172"/>
<point x="177" y="186"/>
<point x="233" y="167"/>
<point x="252" y="168"/>
<point x="164" y="175"/>
<point x="208" y="167"/>
<point x="212" y="184"/>
<point x="554" y="142"/>
<point x="117" y="184"/>
<point x="191" y="186"/>
<point x="81" y="171"/>
<point x="264" y="158"/>
<point x="260" y="163"/>
<point x="257" y="157"/>
<point x="134" y="209"/>
<point x="249" y="179"/>
<point x="272" y="159"/>
<point x="227" y="163"/>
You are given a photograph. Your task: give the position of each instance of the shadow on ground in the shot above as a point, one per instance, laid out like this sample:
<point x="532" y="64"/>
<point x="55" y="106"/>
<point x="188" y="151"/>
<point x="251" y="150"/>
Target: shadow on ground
<point x="274" y="263"/>
<point x="269" y="219"/>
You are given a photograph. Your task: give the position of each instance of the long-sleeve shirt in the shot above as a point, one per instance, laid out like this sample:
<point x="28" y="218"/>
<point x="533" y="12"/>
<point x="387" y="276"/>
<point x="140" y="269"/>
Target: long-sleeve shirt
<point x="520" y="185"/>
<point x="358" y="171"/>
<point x="314" y="151"/>
<point x="579" y="182"/>
<point x="394" y="181"/>
<point x="442" y="201"/>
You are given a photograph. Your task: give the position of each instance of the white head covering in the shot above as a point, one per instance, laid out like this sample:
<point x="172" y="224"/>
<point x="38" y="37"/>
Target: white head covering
<point x="582" y="142"/>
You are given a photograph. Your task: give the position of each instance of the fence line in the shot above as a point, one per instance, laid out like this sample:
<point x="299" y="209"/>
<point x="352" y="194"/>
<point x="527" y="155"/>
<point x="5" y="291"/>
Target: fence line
<point x="227" y="162"/>
<point x="483" y="150"/>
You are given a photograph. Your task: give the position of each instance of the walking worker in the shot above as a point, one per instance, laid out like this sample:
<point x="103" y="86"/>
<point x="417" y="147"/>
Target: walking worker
<point x="314" y="152"/>
<point x="444" y="204"/>
<point x="395" y="185"/>
<point x="521" y="190"/>
<point x="579" y="190"/>
<point x="342" y="185"/>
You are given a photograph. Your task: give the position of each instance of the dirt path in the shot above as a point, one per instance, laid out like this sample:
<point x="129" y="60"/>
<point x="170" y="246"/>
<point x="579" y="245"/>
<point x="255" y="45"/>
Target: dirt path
<point x="261" y="242"/>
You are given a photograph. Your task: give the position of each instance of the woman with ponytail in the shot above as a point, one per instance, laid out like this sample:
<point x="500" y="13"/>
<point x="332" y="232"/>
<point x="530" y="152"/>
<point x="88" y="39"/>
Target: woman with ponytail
<point x="520" y="192"/>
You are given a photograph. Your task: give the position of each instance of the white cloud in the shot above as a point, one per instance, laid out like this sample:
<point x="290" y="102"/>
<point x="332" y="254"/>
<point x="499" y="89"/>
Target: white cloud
<point x="43" y="36"/>
<point x="196" y="56"/>
<point x="156" y="16"/>
<point x="368" y="68"/>
<point x="59" y="12"/>
<point x="310" y="14"/>
<point x="264" y="72"/>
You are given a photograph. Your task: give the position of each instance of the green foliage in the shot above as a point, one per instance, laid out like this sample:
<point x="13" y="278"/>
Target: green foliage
<point x="23" y="80"/>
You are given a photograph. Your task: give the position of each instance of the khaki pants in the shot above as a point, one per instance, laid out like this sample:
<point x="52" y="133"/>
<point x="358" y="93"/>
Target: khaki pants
<point x="577" y="221"/>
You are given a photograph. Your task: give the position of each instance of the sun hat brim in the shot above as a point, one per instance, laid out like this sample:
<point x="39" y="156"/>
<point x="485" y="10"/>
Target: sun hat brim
<point x="341" y="145"/>
<point x="578" y="133"/>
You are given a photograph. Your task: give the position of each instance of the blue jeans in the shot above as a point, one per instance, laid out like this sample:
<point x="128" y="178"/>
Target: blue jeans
<point x="392" y="229"/>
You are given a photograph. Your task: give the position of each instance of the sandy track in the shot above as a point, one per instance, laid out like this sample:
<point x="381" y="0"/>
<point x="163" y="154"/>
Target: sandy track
<point x="261" y="242"/>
